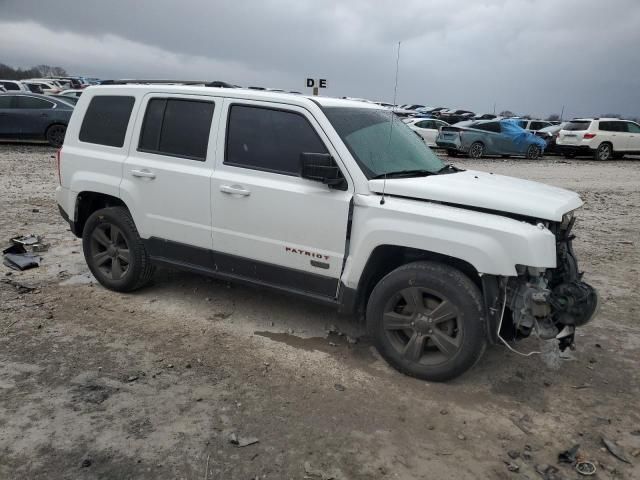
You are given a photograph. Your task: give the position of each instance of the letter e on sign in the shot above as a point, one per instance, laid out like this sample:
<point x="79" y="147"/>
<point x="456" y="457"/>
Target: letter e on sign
<point x="323" y="83"/>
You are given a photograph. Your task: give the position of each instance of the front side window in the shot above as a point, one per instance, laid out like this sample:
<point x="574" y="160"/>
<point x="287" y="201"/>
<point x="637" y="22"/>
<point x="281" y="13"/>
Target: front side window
<point x="633" y="127"/>
<point x="33" y="103"/>
<point x="106" y="119"/>
<point x="380" y="143"/>
<point x="269" y="139"/>
<point x="177" y="127"/>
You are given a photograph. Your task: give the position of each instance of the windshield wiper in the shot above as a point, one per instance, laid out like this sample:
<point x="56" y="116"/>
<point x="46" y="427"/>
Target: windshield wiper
<point x="406" y="173"/>
<point x="449" y="168"/>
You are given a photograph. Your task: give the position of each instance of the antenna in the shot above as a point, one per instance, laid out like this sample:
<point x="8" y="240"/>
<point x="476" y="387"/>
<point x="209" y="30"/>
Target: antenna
<point x="395" y="93"/>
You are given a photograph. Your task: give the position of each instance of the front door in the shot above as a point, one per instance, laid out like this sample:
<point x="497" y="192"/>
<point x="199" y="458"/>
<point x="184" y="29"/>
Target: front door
<point x="32" y="116"/>
<point x="270" y="225"/>
<point x="8" y="127"/>
<point x="167" y="175"/>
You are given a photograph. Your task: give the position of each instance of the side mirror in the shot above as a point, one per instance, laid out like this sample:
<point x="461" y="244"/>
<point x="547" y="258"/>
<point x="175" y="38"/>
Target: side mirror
<point x="321" y="167"/>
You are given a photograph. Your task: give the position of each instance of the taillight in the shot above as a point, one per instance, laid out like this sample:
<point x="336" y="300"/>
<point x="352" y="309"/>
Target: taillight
<point x="587" y="136"/>
<point x="58" y="155"/>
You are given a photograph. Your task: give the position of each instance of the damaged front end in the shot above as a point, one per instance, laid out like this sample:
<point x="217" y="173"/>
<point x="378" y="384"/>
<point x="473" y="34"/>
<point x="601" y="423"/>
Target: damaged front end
<point x="551" y="302"/>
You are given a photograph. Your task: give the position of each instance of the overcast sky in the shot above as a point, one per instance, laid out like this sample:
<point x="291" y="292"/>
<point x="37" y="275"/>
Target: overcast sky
<point x="529" y="56"/>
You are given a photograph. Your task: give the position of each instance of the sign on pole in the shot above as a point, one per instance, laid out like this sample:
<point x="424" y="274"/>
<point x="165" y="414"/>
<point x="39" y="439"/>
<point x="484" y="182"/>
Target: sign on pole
<point x="316" y="84"/>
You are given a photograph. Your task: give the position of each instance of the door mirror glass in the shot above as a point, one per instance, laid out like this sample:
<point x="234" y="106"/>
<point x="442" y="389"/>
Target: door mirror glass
<point x="321" y="167"/>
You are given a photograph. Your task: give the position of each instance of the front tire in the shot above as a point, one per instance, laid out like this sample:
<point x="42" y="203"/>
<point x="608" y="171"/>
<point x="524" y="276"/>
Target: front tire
<point x="114" y="251"/>
<point x="427" y="320"/>
<point x="55" y="135"/>
<point x="533" y="152"/>
<point x="476" y="150"/>
<point x="603" y="153"/>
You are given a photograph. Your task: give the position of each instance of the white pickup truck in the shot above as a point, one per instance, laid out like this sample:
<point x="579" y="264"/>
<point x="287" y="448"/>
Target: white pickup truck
<point x="335" y="200"/>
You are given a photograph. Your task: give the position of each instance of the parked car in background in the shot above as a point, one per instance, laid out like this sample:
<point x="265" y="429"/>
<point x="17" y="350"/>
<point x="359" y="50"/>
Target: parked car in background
<point x="48" y="88"/>
<point x="14" y="86"/>
<point x="490" y="137"/>
<point x="34" y="87"/>
<point x="600" y="138"/>
<point x="73" y="82"/>
<point x="29" y="116"/>
<point x="454" y="116"/>
<point x="427" y="128"/>
<point x="72" y="93"/>
<point x="533" y="125"/>
<point x="550" y="135"/>
<point x="66" y="98"/>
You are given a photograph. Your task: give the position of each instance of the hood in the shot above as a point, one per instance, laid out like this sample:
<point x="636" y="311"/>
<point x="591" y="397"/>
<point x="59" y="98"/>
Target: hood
<point x="485" y="190"/>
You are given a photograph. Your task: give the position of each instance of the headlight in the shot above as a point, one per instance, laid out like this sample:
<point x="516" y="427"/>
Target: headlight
<point x="566" y="218"/>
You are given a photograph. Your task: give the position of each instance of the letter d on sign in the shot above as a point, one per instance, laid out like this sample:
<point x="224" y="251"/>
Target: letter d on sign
<point x="311" y="82"/>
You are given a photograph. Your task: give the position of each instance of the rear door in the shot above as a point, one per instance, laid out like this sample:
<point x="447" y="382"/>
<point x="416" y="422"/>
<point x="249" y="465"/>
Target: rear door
<point x="270" y="224"/>
<point x="167" y="174"/>
<point x="615" y="132"/>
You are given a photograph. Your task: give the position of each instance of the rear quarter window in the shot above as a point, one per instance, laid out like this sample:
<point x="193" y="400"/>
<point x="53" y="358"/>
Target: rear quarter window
<point x="106" y="120"/>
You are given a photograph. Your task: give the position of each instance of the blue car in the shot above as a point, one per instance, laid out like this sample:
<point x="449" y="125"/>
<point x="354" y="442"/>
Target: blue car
<point x="490" y="137"/>
<point x="29" y="116"/>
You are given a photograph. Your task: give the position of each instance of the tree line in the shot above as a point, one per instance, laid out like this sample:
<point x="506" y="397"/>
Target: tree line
<point x="39" y="71"/>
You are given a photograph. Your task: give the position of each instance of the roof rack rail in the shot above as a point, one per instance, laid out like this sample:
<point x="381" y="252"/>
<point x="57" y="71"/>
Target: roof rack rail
<point x="206" y="83"/>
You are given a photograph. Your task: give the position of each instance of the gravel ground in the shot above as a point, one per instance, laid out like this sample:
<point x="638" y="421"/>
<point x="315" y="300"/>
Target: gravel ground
<point x="95" y="384"/>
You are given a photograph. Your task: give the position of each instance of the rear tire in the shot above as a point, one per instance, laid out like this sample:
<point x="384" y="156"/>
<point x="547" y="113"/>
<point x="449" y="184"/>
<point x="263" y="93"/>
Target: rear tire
<point x="114" y="251"/>
<point x="603" y="153"/>
<point x="427" y="320"/>
<point x="476" y="150"/>
<point x="55" y="135"/>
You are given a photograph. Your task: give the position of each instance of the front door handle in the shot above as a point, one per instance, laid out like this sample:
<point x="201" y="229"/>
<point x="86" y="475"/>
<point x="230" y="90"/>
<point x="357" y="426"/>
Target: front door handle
<point x="143" y="174"/>
<point x="235" y="190"/>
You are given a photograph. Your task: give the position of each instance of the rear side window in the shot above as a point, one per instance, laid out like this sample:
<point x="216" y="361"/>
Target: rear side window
<point x="33" y="103"/>
<point x="577" y="126"/>
<point x="613" y="126"/>
<point x="176" y="127"/>
<point x="106" y="119"/>
<point x="488" y="127"/>
<point x="269" y="139"/>
<point x="10" y="86"/>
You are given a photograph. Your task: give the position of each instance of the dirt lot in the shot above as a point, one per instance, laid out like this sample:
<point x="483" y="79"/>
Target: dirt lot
<point x="95" y="384"/>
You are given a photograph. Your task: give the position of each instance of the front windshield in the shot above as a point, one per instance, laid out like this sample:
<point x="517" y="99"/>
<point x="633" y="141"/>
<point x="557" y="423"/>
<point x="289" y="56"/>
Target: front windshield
<point x="380" y="142"/>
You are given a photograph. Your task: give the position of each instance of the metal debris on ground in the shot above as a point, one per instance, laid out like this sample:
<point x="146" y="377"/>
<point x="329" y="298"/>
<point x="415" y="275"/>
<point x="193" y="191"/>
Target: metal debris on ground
<point x="615" y="450"/>
<point x="339" y="387"/>
<point x="31" y="243"/>
<point x="242" y="441"/>
<point x="569" y="456"/>
<point x="585" y="468"/>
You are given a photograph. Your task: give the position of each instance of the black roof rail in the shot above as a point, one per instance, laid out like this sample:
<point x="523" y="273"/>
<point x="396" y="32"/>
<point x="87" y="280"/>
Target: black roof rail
<point x="206" y="83"/>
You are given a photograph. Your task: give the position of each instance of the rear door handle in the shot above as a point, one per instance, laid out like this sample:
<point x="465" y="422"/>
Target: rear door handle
<point x="235" y="190"/>
<point x="143" y="174"/>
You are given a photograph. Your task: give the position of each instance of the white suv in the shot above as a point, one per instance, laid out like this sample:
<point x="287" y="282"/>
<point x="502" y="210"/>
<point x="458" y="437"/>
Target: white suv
<point x="602" y="138"/>
<point x="334" y="200"/>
